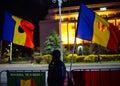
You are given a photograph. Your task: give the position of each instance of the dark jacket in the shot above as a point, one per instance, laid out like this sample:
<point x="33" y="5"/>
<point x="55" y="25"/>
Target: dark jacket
<point x="56" y="73"/>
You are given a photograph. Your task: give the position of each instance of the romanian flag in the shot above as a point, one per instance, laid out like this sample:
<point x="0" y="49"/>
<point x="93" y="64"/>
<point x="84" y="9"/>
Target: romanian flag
<point x="17" y="30"/>
<point x="29" y="82"/>
<point x="94" y="28"/>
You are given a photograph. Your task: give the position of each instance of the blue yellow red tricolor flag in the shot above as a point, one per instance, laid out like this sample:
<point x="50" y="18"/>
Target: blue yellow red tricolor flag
<point x="17" y="30"/>
<point x="94" y="28"/>
<point x="29" y="82"/>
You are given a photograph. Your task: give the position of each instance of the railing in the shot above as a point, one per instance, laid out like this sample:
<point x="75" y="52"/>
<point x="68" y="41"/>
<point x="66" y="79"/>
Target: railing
<point x="97" y="77"/>
<point x="80" y="77"/>
<point x="18" y="77"/>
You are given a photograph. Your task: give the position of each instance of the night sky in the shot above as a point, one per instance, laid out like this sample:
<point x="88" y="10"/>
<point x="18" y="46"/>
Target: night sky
<point x="36" y="10"/>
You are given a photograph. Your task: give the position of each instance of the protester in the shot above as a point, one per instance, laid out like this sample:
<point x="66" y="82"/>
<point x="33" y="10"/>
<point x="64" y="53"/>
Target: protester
<point x="56" y="70"/>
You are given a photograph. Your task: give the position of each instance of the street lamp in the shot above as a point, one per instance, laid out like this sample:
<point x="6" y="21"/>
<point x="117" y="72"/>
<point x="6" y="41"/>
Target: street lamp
<point x="60" y="20"/>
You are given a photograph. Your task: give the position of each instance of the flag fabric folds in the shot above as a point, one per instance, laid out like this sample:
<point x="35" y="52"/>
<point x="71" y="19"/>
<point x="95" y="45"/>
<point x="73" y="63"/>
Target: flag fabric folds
<point x="94" y="28"/>
<point x="17" y="30"/>
<point x="29" y="82"/>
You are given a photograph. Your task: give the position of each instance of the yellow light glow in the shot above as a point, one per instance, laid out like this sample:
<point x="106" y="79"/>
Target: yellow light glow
<point x="64" y="33"/>
<point x="112" y="21"/>
<point x="69" y="28"/>
<point x="68" y="16"/>
<point x="79" y="41"/>
<point x="107" y="12"/>
<point x="68" y="33"/>
<point x="118" y="23"/>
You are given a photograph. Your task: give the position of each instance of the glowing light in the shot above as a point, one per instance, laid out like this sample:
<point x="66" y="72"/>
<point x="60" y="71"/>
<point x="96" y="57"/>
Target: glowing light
<point x="103" y="8"/>
<point x="68" y="33"/>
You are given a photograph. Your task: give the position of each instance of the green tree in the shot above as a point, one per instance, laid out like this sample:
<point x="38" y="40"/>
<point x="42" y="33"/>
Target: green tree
<point x="52" y="42"/>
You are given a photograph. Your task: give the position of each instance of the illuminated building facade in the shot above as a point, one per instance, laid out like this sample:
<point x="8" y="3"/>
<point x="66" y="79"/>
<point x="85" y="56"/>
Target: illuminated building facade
<point x="110" y="11"/>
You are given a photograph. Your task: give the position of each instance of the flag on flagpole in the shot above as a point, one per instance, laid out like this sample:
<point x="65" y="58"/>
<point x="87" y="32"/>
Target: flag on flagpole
<point x="17" y="30"/>
<point x="94" y="28"/>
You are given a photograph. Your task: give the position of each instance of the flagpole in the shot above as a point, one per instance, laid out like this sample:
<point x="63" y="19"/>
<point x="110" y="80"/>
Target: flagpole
<point x="71" y="61"/>
<point x="60" y="22"/>
<point x="10" y="52"/>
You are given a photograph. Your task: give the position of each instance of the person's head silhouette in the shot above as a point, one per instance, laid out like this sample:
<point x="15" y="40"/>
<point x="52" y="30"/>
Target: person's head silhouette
<point x="56" y="54"/>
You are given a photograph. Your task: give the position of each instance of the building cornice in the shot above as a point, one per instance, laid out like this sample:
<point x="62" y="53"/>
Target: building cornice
<point x="55" y="10"/>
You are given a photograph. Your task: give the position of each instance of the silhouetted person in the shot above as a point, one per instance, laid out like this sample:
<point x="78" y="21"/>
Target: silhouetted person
<point x="99" y="58"/>
<point x="57" y="70"/>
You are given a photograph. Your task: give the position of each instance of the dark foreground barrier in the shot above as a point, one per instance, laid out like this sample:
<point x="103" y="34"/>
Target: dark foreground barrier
<point x="24" y="78"/>
<point x="3" y="78"/>
<point x="81" y="77"/>
<point x="96" y="77"/>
